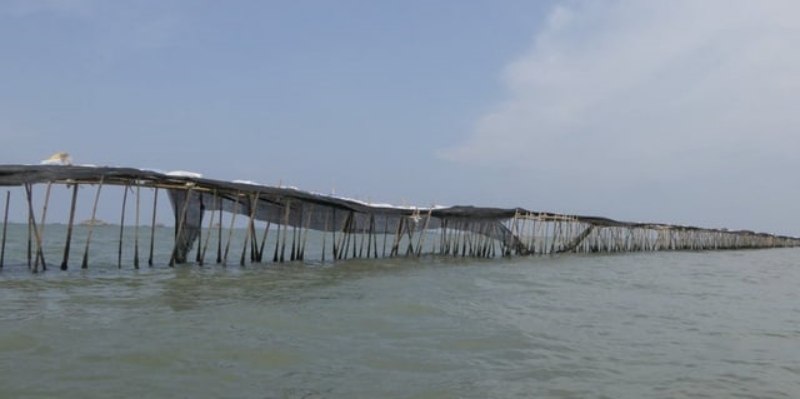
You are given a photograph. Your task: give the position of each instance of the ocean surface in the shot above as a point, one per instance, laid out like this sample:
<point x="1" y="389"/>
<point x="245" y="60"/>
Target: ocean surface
<point x="656" y="325"/>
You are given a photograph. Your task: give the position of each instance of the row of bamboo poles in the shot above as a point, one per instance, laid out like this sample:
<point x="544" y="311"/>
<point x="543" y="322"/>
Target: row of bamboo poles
<point x="544" y="234"/>
<point x="341" y="233"/>
<point x="35" y="230"/>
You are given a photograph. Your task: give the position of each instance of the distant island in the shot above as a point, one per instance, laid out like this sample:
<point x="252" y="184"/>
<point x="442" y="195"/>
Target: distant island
<point x="93" y="222"/>
<point x="98" y="222"/>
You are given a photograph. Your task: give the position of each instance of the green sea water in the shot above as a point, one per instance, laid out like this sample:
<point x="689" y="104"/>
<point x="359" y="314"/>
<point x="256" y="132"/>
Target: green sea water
<point x="649" y="325"/>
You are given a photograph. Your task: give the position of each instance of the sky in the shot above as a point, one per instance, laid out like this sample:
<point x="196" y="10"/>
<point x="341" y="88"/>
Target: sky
<point x="663" y="111"/>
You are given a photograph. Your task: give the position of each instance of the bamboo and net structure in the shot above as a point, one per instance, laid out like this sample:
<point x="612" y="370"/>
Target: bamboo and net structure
<point x="283" y="224"/>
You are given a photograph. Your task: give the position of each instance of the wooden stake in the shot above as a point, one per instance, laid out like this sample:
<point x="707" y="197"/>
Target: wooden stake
<point x="122" y="227"/>
<point x="397" y="234"/>
<point x="325" y="234"/>
<point x="463" y="238"/>
<point x="181" y="223"/>
<point x="230" y="230"/>
<point x="210" y="226"/>
<point x="385" y="233"/>
<point x="305" y="233"/>
<point x="264" y="239"/>
<point x="30" y="230"/>
<point x="292" y="252"/>
<point x="136" y="231"/>
<point x="288" y="207"/>
<point x="219" y="234"/>
<point x="5" y="228"/>
<point x="153" y="227"/>
<point x="411" y="231"/>
<point x="85" y="262"/>
<point x="70" y="225"/>
<point x="42" y="224"/>
<point x="36" y="235"/>
<point x="422" y="234"/>
<point x="443" y="231"/>
<point x="253" y="209"/>
<point x="199" y="250"/>
<point x="361" y="245"/>
<point x="333" y="233"/>
<point x="373" y="236"/>
<point x="343" y="240"/>
<point x="277" y="242"/>
<point x="253" y="243"/>
<point x="353" y="231"/>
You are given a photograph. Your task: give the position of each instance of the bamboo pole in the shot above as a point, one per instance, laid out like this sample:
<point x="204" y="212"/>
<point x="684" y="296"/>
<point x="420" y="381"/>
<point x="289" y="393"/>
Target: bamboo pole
<point x="463" y="238"/>
<point x="292" y="252"/>
<point x="253" y="209"/>
<point x="397" y="235"/>
<point x="484" y="239"/>
<point x="199" y="250"/>
<point x="450" y="230"/>
<point x="219" y="234"/>
<point x="230" y="230"/>
<point x="253" y="243"/>
<point x="368" y="229"/>
<point x="305" y="233"/>
<point x="353" y="230"/>
<point x="455" y="240"/>
<point x="490" y="238"/>
<point x="455" y="232"/>
<point x="374" y="236"/>
<point x="32" y="222"/>
<point x="264" y="239"/>
<point x="288" y="208"/>
<point x="85" y="262"/>
<point x="5" y="228"/>
<point x="70" y="225"/>
<point x="136" y="230"/>
<point x="477" y="240"/>
<point x="361" y="247"/>
<point x="42" y="224"/>
<point x="30" y="231"/>
<point x="555" y="235"/>
<point x="421" y="240"/>
<point x="343" y="240"/>
<point x="296" y="233"/>
<point x="210" y="227"/>
<point x="385" y="233"/>
<point x="277" y="241"/>
<point x="180" y="227"/>
<point x="410" y="231"/>
<point x="532" y="242"/>
<point x="442" y="236"/>
<point x="122" y="227"/>
<point x="325" y="234"/>
<point x="455" y="236"/>
<point x="333" y="235"/>
<point x="153" y="227"/>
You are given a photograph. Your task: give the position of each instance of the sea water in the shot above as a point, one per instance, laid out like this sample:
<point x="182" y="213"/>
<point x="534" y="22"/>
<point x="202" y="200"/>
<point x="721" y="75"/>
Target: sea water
<point x="648" y="325"/>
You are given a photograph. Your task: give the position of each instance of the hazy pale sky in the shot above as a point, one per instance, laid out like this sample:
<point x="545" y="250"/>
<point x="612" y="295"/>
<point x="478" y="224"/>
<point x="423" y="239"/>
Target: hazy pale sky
<point x="675" y="111"/>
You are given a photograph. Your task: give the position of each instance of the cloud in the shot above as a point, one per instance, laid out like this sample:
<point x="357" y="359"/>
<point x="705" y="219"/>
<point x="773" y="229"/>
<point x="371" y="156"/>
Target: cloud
<point x="649" y="90"/>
